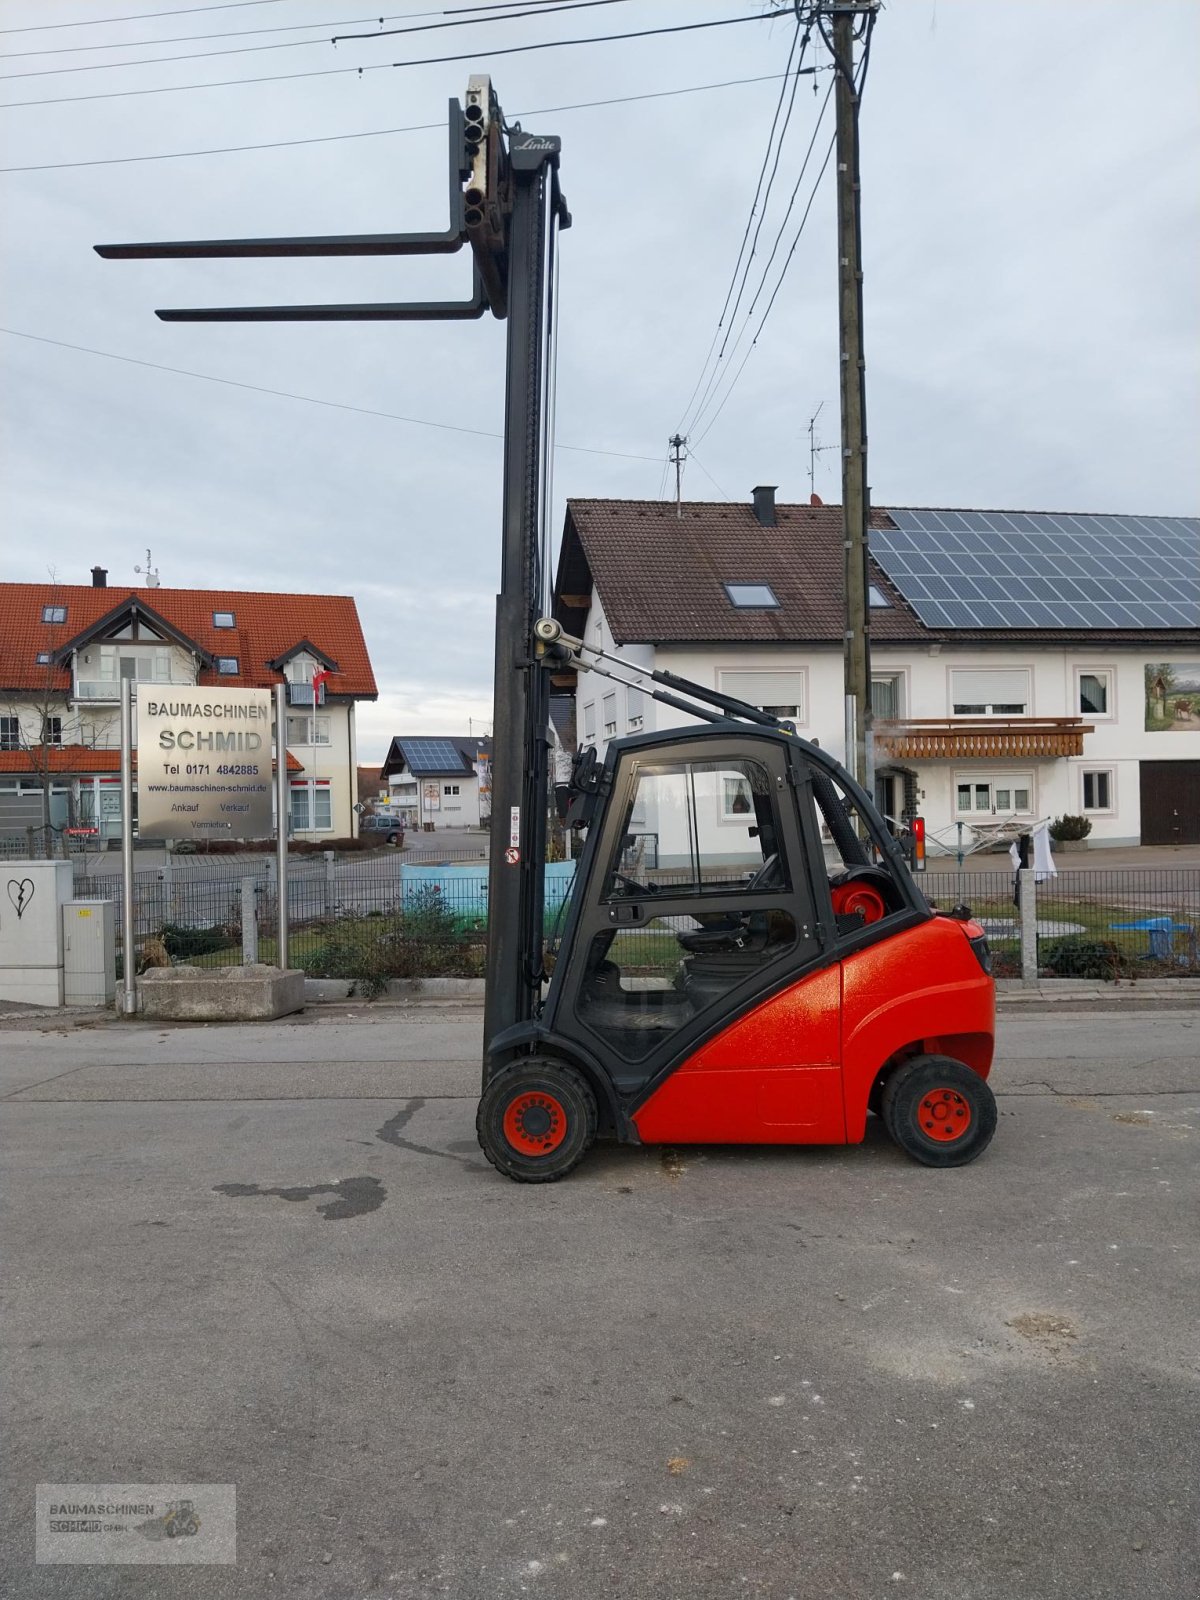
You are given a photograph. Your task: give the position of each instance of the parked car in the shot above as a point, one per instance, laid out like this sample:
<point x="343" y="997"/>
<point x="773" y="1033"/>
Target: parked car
<point x="391" y="827"/>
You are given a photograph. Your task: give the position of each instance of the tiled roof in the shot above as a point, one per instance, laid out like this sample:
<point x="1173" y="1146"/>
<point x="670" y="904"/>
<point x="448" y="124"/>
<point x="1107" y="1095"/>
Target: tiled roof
<point x="80" y="759"/>
<point x="661" y="578"/>
<point x="266" y="627"/>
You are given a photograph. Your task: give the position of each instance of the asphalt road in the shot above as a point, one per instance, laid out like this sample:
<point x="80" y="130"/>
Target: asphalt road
<point x="691" y="1373"/>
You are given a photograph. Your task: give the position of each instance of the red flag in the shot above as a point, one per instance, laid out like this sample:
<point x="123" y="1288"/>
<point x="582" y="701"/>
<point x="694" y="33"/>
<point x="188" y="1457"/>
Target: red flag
<point x="317" y="683"/>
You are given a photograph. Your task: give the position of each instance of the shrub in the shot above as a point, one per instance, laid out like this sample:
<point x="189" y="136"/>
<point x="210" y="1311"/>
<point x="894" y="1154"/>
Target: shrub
<point x="1076" y="957"/>
<point x="183" y="943"/>
<point x="1067" y="827"/>
<point x="420" y="941"/>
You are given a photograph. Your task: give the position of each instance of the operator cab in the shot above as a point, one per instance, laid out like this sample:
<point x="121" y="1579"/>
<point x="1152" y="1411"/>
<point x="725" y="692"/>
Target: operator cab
<point x="719" y="866"/>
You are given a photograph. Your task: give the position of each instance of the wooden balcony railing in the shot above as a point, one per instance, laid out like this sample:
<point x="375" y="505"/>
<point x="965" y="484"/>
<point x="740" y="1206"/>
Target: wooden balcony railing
<point x="981" y="738"/>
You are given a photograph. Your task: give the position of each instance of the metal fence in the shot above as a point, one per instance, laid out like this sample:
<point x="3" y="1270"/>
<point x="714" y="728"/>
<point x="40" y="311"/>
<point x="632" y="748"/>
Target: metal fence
<point x="389" y="915"/>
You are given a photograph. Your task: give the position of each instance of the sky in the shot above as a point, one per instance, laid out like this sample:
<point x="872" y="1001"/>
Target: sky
<point x="1031" y="222"/>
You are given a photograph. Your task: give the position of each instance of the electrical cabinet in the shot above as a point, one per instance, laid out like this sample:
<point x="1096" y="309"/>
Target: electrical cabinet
<point x="89" y="953"/>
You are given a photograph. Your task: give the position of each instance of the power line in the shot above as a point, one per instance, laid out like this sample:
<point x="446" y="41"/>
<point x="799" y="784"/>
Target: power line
<point x="308" y="399"/>
<point x="141" y="16"/>
<point x="718" y="374"/>
<point x="299" y="44"/>
<point x="745" y="233"/>
<point x="382" y="66"/>
<point x="237" y="33"/>
<point x="378" y="133"/>
<point x="561" y="5"/>
<point x="770" y="303"/>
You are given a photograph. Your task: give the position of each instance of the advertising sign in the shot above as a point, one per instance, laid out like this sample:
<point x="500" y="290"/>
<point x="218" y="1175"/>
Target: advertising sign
<point x="204" y="763"/>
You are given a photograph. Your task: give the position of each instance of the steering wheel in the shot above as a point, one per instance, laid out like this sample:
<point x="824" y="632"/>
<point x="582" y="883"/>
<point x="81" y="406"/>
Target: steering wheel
<point x="633" y="886"/>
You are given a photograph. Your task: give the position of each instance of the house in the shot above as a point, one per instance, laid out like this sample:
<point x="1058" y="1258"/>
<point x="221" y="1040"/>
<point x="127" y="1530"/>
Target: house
<point x="1024" y="665"/>
<point x="65" y="648"/>
<point x="442" y="781"/>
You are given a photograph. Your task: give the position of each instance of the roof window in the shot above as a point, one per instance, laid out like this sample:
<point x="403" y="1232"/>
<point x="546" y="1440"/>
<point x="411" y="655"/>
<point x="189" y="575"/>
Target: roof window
<point x="752" y="596"/>
<point x="54" y="613"/>
<point x="223" y="619"/>
<point x="43" y="658"/>
<point x="878" y="600"/>
<point x="227" y="666"/>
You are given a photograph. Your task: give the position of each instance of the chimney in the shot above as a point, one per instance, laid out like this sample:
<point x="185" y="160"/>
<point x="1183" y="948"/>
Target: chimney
<point x="99" y="577"/>
<point x="764" y="504"/>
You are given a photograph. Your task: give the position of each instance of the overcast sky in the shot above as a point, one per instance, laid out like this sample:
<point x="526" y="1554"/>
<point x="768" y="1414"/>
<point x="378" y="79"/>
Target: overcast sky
<point x="1030" y="234"/>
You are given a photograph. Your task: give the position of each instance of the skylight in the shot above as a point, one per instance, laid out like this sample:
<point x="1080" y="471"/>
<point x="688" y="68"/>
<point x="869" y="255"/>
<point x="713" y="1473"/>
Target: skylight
<point x="223" y="619"/>
<point x="752" y="596"/>
<point x="879" y="601"/>
<point x="54" y="613"/>
<point x="227" y="666"/>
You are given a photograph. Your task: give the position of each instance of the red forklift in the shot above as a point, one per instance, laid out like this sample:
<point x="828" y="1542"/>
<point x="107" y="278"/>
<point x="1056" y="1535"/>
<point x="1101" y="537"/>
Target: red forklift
<point x="767" y="974"/>
<point x="770" y="972"/>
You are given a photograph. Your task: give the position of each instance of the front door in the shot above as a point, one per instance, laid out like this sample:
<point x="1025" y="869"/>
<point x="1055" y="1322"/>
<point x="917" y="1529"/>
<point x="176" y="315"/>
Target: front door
<point x="1170" y="802"/>
<point x="667" y="957"/>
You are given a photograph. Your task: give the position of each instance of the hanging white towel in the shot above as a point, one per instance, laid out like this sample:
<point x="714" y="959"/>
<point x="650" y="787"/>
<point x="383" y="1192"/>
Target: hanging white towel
<point x="1043" y="861"/>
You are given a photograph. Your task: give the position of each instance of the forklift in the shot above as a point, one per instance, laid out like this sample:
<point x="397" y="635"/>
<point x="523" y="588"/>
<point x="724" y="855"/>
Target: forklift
<point x="773" y="973"/>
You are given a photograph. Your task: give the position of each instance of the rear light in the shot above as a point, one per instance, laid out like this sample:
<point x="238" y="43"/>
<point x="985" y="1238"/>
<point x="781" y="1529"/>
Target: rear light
<point x="977" y="939"/>
<point x="918" y="844"/>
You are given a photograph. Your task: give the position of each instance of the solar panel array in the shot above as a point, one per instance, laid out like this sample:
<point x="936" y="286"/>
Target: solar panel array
<point x="1013" y="569"/>
<point x="432" y="755"/>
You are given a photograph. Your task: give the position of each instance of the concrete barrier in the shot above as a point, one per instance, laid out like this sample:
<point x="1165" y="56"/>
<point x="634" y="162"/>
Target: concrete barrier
<point x="221" y="994"/>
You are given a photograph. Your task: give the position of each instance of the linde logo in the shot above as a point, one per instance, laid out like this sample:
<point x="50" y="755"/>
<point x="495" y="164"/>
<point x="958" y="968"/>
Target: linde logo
<point x="538" y="144"/>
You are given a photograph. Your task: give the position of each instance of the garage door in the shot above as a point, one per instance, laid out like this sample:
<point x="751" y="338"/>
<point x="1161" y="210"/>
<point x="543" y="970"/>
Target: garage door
<point x="1170" y="802"/>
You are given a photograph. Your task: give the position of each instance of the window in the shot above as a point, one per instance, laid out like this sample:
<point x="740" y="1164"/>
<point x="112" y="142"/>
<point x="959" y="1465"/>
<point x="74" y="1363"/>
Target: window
<point x="54" y="613"/>
<point x="450" y="788"/>
<point x="227" y="666"/>
<point x="223" y="619"/>
<point x="782" y="694"/>
<point x="43" y="658"/>
<point x="1094" y="692"/>
<point x="308" y="730"/>
<point x="887" y="696"/>
<point x="876" y="598"/>
<point x="990" y="692"/>
<point x="589" y="720"/>
<point x="1098" y="790"/>
<point x="752" y="596"/>
<point x="311" y="805"/>
<point x="610" y="716"/>
<point x="993" y="796"/>
<point x="685" y="806"/>
<point x="634" y="708"/>
<point x="52" y="730"/>
<point x="10" y="733"/>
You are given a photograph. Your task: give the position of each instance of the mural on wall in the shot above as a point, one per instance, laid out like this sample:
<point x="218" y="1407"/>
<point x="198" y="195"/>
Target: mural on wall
<point x="1173" y="696"/>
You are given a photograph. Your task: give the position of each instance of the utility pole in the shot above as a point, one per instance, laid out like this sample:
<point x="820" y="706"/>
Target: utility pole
<point x="678" y="443"/>
<point x="846" y="15"/>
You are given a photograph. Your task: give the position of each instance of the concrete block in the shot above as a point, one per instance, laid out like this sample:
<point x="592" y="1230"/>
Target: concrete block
<point x="220" y="994"/>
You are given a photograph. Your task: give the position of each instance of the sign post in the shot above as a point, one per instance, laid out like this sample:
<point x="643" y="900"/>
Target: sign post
<point x="281" y="822"/>
<point x="128" y="952"/>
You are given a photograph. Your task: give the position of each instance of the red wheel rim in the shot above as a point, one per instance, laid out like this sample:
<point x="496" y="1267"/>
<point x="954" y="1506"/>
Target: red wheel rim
<point x="535" y="1123"/>
<point x="944" y="1115"/>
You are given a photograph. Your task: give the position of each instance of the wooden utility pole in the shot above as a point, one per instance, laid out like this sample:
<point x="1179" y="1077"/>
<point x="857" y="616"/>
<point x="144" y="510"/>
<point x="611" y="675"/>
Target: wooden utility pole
<point x="855" y="503"/>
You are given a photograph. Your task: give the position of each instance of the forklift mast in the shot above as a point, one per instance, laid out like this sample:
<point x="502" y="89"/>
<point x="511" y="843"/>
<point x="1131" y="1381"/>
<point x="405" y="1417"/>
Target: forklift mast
<point x="505" y="202"/>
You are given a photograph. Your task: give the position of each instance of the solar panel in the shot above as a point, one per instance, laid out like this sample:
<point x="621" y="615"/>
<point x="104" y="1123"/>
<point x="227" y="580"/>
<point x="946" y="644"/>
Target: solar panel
<point x="1014" y="569"/>
<point x="431" y="755"/>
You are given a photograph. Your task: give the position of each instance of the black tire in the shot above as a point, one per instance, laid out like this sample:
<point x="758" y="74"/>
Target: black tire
<point x="938" y="1111"/>
<point x="393" y="838"/>
<point x="536" y="1102"/>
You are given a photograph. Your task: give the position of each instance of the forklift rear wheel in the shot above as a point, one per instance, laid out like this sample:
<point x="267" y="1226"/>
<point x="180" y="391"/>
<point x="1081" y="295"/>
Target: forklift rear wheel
<point x="938" y="1111"/>
<point x="536" y="1120"/>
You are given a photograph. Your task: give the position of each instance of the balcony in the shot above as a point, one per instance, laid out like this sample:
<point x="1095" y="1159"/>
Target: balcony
<point x="301" y="694"/>
<point x="109" y="689"/>
<point x="981" y="738"/>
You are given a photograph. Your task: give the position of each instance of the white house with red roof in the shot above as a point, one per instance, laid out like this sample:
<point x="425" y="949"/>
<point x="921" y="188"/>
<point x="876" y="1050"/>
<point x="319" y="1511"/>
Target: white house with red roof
<point x="65" y="648"/>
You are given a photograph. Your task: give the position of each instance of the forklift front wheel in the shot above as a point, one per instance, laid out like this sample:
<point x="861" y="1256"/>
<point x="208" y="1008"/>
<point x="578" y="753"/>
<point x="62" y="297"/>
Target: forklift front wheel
<point x="939" y="1111"/>
<point x="536" y="1120"/>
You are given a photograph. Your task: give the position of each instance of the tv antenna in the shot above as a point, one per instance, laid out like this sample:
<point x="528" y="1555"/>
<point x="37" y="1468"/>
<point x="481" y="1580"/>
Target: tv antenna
<point x="149" y="573"/>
